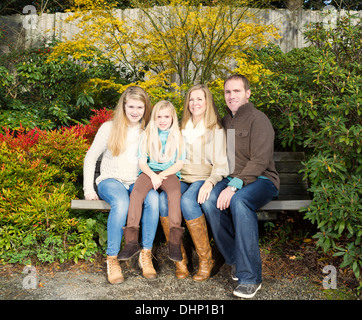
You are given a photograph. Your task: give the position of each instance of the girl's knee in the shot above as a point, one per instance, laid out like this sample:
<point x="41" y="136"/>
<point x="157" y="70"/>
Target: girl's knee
<point x="119" y="202"/>
<point x="152" y="197"/>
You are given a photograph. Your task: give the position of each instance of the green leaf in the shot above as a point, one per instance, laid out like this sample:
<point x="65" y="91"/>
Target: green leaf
<point x="341" y="227"/>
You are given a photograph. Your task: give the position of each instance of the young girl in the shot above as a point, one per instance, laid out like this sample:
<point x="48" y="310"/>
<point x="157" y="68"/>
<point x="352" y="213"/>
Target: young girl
<point x="117" y="141"/>
<point x="160" y="159"/>
<point x="205" y="165"/>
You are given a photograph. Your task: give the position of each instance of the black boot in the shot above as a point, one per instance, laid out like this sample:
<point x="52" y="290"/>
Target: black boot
<point x="174" y="243"/>
<point x="132" y="246"/>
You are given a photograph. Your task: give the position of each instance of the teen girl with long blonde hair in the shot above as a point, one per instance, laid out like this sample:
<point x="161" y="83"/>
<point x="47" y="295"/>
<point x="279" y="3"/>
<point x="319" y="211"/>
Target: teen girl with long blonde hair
<point x="117" y="142"/>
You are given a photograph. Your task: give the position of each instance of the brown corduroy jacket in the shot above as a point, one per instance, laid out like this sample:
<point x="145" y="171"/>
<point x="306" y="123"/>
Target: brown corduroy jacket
<point x="254" y="145"/>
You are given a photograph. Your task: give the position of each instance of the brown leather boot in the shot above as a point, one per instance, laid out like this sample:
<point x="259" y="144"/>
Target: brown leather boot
<point x="181" y="267"/>
<point x="114" y="271"/>
<point x="198" y="231"/>
<point x="174" y="243"/>
<point x="145" y="263"/>
<point x="132" y="247"/>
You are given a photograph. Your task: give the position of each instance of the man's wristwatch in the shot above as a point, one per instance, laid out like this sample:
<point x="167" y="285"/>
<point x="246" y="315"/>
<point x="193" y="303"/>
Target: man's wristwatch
<point x="233" y="189"/>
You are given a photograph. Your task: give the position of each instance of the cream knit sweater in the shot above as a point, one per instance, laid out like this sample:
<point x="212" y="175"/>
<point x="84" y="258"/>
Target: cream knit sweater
<point x="206" y="157"/>
<point x="123" y="168"/>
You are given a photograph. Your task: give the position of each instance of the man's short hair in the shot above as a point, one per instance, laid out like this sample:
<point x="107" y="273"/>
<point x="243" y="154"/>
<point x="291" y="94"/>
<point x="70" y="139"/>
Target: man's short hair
<point x="239" y="77"/>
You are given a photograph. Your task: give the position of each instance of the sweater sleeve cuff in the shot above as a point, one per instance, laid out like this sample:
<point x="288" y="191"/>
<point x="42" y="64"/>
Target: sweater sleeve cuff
<point x="235" y="182"/>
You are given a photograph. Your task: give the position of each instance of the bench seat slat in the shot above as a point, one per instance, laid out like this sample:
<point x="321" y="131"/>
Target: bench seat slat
<point x="278" y="205"/>
<point x="90" y="205"/>
<point x="273" y="205"/>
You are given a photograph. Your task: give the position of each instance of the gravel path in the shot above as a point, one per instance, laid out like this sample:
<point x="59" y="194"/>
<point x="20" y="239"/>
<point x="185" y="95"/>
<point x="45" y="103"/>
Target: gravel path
<point x="78" y="283"/>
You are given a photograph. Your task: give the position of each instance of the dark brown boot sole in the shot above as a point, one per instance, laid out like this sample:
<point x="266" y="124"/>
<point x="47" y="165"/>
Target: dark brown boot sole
<point x="129" y="251"/>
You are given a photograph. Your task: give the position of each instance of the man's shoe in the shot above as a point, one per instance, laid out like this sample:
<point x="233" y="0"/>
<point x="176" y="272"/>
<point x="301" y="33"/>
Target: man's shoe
<point x="233" y="273"/>
<point x="246" y="290"/>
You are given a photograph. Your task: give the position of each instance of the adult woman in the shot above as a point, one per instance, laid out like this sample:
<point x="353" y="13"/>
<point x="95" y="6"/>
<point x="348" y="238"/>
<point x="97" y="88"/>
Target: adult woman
<point x="205" y="165"/>
<point x="118" y="140"/>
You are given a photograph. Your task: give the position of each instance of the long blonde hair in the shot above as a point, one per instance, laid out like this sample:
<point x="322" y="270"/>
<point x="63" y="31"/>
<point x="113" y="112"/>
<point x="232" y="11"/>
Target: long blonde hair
<point x="150" y="142"/>
<point x="118" y="135"/>
<point x="211" y="116"/>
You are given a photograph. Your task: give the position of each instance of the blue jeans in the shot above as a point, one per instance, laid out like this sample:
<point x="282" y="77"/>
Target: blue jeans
<point x="235" y="229"/>
<point x="190" y="208"/>
<point x="115" y="193"/>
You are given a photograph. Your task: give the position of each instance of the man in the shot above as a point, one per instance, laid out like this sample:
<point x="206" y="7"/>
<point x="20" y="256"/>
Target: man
<point x="253" y="182"/>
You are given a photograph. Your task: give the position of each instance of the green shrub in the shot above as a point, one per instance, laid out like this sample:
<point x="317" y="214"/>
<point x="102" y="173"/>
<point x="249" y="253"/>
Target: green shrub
<point x="37" y="92"/>
<point x="313" y="98"/>
<point x="39" y="178"/>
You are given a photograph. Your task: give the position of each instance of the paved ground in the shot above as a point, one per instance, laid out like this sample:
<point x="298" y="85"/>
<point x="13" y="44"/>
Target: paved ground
<point x="59" y="289"/>
<point x="88" y="282"/>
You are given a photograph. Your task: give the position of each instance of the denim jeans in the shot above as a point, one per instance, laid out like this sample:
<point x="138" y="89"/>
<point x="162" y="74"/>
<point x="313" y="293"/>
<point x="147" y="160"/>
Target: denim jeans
<point x="235" y="229"/>
<point x="190" y="208"/>
<point x="115" y="193"/>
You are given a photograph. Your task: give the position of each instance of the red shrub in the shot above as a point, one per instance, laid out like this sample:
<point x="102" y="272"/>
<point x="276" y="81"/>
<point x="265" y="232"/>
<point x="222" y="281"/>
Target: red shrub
<point x="96" y="121"/>
<point x="20" y="139"/>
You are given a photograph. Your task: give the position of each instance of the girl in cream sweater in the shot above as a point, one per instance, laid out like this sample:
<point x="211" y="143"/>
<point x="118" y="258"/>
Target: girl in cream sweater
<point x="117" y="142"/>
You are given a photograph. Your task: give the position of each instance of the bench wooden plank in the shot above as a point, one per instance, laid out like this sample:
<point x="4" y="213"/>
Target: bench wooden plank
<point x="288" y="166"/>
<point x="292" y="189"/>
<point x="90" y="205"/>
<point x="275" y="205"/>
<point x="279" y="205"/>
<point x="291" y="178"/>
<point x="284" y="197"/>
<point x="288" y="156"/>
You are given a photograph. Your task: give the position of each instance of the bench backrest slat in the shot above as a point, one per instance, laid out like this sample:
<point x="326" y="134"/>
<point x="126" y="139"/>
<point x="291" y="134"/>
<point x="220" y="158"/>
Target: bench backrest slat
<point x="292" y="185"/>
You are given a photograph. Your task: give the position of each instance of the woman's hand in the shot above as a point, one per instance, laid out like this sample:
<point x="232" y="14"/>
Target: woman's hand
<point x="91" y="196"/>
<point x="204" y="192"/>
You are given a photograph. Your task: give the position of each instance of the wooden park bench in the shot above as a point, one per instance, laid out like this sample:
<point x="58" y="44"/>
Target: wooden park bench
<point x="293" y="193"/>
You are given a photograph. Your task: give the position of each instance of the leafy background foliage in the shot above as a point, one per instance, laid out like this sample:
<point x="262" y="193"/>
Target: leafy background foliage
<point x="47" y="94"/>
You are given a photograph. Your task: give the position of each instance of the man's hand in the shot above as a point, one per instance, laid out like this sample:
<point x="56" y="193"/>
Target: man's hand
<point x="223" y="201"/>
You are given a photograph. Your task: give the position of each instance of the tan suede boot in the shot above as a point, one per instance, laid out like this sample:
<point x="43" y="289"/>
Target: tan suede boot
<point x="145" y="263"/>
<point x="198" y="231"/>
<point x="181" y="267"/>
<point x="114" y="270"/>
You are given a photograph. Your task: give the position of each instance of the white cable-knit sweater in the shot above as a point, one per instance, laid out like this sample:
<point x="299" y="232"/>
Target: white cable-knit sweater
<point x="123" y="168"/>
